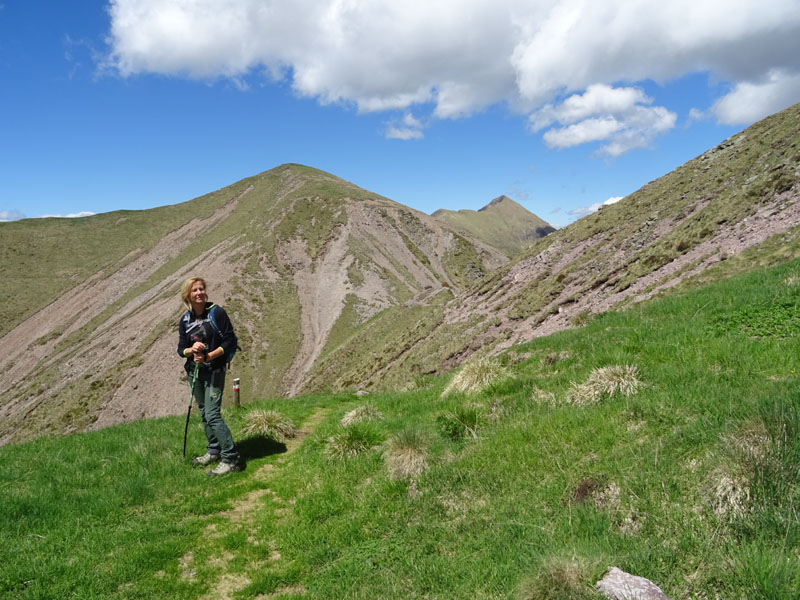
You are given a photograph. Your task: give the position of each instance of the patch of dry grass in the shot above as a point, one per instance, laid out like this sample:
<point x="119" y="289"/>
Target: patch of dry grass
<point x="561" y="578"/>
<point x="475" y="376"/>
<point x="605" y="382"/>
<point x="540" y="396"/>
<point x="750" y="444"/>
<point x="270" y="424"/>
<point x="361" y="414"/>
<point x="408" y="454"/>
<point x="792" y="281"/>
<point x="729" y="495"/>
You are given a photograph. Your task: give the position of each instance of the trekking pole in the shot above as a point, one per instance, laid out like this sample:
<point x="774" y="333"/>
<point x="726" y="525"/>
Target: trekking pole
<point x="191" y="397"/>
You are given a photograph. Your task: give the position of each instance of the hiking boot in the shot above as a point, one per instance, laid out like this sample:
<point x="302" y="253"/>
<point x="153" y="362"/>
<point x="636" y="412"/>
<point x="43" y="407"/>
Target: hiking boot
<point x="206" y="459"/>
<point x="224" y="468"/>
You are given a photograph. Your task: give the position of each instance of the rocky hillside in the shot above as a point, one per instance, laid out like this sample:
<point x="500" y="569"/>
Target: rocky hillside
<point x="298" y="257"/>
<point x="333" y="287"/>
<point x="502" y="223"/>
<point x="734" y="207"/>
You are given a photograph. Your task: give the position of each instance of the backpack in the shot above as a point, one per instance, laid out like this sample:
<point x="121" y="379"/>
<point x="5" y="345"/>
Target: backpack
<point x="213" y="321"/>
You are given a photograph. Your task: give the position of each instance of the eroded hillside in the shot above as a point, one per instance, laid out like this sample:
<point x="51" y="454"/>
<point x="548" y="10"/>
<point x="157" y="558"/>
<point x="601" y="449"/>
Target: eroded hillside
<point x="332" y="287"/>
<point x="298" y="257"/>
<point x="732" y="208"/>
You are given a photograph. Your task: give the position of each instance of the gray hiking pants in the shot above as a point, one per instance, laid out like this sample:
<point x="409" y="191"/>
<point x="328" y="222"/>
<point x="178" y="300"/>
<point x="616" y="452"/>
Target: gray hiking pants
<point x="207" y="393"/>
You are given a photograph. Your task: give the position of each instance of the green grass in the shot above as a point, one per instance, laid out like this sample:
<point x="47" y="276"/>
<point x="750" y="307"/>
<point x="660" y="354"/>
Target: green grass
<point x="691" y="480"/>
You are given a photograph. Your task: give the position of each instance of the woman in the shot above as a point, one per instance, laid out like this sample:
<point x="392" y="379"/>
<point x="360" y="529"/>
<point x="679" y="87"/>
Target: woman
<point x="206" y="338"/>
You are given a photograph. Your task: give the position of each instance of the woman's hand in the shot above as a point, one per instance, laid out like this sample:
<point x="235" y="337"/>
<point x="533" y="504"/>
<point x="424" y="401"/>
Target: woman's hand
<point x="199" y="352"/>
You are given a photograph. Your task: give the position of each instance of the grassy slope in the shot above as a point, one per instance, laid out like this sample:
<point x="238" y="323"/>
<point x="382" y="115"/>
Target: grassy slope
<point x="503" y="224"/>
<point x="728" y="183"/>
<point x="691" y="482"/>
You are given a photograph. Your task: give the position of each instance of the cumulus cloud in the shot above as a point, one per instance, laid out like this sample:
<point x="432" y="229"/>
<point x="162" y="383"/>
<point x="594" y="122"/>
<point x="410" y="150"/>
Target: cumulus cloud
<point x="618" y="116"/>
<point x="457" y="57"/>
<point x="750" y="101"/>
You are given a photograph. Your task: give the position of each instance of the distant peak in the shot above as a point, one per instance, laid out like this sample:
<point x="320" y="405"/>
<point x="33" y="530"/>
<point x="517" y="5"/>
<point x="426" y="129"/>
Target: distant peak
<point x="499" y="200"/>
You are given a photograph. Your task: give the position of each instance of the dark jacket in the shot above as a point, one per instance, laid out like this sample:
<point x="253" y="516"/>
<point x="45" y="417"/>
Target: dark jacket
<point x="194" y="328"/>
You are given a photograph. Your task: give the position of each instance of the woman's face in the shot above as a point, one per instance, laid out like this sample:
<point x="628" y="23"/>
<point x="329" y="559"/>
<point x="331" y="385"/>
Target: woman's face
<point x="197" y="295"/>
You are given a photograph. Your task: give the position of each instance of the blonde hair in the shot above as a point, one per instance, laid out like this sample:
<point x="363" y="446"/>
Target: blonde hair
<point x="186" y="288"/>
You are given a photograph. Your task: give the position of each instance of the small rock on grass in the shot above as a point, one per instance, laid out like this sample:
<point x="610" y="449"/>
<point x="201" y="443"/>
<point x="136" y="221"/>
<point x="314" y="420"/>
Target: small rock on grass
<point x="619" y="585"/>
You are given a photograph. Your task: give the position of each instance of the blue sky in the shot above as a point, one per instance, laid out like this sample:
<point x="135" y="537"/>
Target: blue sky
<point x="559" y="104"/>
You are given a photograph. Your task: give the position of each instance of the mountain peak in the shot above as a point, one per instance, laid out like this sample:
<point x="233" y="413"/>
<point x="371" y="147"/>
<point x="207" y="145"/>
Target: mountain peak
<point x="499" y="201"/>
<point x="503" y="223"/>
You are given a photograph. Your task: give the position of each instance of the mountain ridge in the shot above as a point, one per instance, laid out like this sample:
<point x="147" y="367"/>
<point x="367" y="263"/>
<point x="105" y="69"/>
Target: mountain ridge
<point x="503" y="223"/>
<point x="730" y="208"/>
<point x="288" y="252"/>
<point x="333" y="287"/>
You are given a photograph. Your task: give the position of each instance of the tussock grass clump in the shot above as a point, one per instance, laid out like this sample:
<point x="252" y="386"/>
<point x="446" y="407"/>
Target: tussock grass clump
<point x="361" y="414"/>
<point x="352" y="440"/>
<point x="605" y="382"/>
<point x="475" y="376"/>
<point x="270" y="424"/>
<point x="580" y="319"/>
<point x="730" y="495"/>
<point x="408" y="454"/>
<point x="462" y="423"/>
<point x="560" y="579"/>
<point x="540" y="396"/>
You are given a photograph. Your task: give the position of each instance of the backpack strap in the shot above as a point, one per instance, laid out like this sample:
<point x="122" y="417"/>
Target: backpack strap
<point x="219" y="333"/>
<point x="213" y="320"/>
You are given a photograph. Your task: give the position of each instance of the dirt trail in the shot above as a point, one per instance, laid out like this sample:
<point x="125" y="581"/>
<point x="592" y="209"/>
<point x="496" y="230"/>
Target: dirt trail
<point x="243" y="515"/>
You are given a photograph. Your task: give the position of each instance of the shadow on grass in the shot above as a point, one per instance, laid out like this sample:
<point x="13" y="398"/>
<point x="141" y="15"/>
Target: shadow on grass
<point x="259" y="447"/>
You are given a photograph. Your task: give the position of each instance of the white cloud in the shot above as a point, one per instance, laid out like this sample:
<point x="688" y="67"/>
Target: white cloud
<point x="15" y="215"/>
<point x="403" y="133"/>
<point x="695" y="114"/>
<point x="587" y="210"/>
<point x="597" y="99"/>
<point x="10" y="215"/>
<point x="410" y="120"/>
<point x="751" y="101"/>
<point x="615" y="115"/>
<point x="71" y="216"/>
<point x="461" y="56"/>
<point x="409" y="129"/>
<point x="588" y="130"/>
